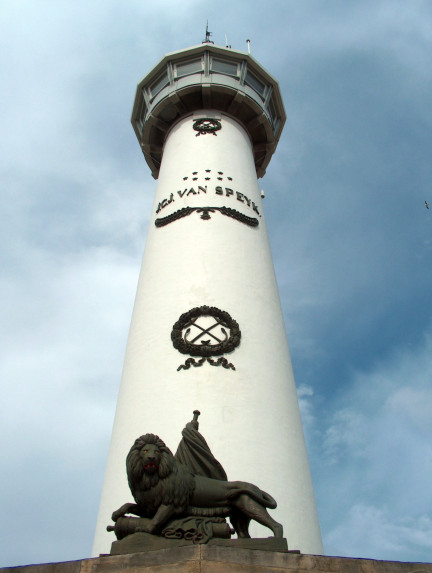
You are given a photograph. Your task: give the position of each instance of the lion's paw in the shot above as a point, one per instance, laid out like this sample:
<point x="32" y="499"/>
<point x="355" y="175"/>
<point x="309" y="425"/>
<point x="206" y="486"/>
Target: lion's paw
<point x="116" y="515"/>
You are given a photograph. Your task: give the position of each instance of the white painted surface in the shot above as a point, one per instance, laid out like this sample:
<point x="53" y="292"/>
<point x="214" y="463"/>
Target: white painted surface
<point x="250" y="416"/>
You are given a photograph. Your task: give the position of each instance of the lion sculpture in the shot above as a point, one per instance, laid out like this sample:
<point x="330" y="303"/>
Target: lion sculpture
<point x="165" y="489"/>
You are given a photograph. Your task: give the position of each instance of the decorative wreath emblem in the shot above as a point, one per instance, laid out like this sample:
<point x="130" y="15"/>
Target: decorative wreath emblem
<point x="206" y="125"/>
<point x="205" y="331"/>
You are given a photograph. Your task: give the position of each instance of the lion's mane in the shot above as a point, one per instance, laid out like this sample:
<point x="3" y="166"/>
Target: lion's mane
<point x="172" y="484"/>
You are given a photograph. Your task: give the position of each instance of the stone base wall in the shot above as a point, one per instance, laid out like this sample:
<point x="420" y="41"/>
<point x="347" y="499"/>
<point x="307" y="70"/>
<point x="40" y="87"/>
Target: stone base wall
<point x="219" y="559"/>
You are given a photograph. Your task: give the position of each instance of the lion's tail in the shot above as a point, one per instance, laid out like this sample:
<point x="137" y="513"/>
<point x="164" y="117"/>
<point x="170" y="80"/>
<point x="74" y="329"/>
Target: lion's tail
<point x="269" y="501"/>
<point x="257" y="494"/>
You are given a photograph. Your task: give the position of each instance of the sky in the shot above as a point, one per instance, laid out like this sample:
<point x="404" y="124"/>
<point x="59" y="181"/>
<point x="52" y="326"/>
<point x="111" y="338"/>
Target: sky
<point x="350" y="232"/>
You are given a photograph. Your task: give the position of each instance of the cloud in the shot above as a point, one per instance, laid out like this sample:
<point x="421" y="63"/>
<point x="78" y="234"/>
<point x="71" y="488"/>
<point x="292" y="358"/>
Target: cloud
<point x="367" y="530"/>
<point x="373" y="459"/>
<point x="413" y="406"/>
<point x="347" y="433"/>
<point x="62" y="343"/>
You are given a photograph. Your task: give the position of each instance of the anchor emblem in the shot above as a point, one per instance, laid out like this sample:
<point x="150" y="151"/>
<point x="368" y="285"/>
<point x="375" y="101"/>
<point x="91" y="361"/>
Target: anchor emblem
<point x="205" y="331"/>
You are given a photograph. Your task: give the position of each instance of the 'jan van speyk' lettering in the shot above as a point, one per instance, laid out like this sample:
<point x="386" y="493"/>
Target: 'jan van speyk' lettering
<point x="165" y="203"/>
<point x="227" y="192"/>
<point x="186" y="192"/>
<point x="224" y="191"/>
<point x="219" y="191"/>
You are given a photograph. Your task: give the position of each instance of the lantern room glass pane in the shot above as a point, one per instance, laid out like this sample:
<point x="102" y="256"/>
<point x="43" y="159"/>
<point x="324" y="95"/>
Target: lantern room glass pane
<point x="159" y="84"/>
<point x="187" y="68"/>
<point x="142" y="112"/>
<point x="255" y="84"/>
<point x="224" y="67"/>
<point x="272" y="110"/>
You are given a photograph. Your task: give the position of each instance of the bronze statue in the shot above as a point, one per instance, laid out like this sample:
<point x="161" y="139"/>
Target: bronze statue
<point x="170" y="491"/>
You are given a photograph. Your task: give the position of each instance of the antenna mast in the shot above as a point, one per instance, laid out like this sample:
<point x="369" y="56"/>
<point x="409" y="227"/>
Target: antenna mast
<point x="207" y="38"/>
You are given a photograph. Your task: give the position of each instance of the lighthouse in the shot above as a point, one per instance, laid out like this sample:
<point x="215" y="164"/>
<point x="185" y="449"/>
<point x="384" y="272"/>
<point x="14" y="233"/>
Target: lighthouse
<point x="207" y="329"/>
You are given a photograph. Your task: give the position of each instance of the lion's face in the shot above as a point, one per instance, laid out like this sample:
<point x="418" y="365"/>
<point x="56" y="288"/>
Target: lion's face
<point x="148" y="461"/>
<point x="155" y="478"/>
<point x="151" y="457"/>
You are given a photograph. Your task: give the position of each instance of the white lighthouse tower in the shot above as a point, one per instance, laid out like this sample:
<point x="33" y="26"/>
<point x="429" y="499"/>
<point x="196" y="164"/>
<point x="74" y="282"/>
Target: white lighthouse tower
<point x="207" y="330"/>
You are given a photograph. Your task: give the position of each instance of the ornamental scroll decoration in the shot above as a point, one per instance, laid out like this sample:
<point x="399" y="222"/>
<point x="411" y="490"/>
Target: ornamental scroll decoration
<point x="205" y="214"/>
<point x="205" y="125"/>
<point x="205" y="331"/>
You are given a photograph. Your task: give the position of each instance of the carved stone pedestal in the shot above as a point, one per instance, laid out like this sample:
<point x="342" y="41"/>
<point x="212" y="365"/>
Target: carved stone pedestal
<point x="139" y="542"/>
